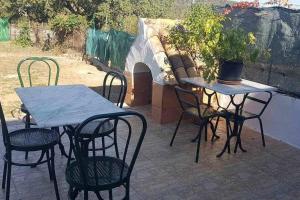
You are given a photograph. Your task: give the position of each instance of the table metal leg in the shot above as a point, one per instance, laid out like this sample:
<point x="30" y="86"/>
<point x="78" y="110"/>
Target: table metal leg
<point x="229" y="136"/>
<point x="60" y="144"/>
<point x="237" y="128"/>
<point x="239" y="142"/>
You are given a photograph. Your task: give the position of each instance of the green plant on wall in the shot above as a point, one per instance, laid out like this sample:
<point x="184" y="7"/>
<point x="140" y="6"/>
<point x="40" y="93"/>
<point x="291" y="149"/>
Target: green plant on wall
<point x="203" y="35"/>
<point x="24" y="39"/>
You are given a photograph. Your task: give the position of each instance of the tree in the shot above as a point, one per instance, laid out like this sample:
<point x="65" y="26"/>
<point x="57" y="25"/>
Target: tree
<point x="4" y="13"/>
<point x="113" y="13"/>
<point x="152" y="8"/>
<point x="34" y="10"/>
<point x="117" y="14"/>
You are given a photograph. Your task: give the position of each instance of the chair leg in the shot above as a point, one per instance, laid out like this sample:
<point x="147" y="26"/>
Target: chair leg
<point x="103" y="145"/>
<point x="98" y="195"/>
<point x="116" y="144"/>
<point x="262" y="132"/>
<point x="127" y="187"/>
<point x="176" y="129"/>
<point x="227" y="134"/>
<point x="110" y="195"/>
<point x="8" y="178"/>
<point x="53" y="174"/>
<point x="49" y="165"/>
<point x="26" y="155"/>
<point x="4" y="175"/>
<point x="70" y="193"/>
<point x="86" y="195"/>
<point x="205" y="132"/>
<point x="198" y="144"/>
<point x="70" y="150"/>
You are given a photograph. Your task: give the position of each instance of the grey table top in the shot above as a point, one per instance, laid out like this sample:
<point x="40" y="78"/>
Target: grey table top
<point x="245" y="86"/>
<point x="55" y="106"/>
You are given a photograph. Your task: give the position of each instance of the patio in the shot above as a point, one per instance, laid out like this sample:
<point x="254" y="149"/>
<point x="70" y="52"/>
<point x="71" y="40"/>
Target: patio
<point x="164" y="172"/>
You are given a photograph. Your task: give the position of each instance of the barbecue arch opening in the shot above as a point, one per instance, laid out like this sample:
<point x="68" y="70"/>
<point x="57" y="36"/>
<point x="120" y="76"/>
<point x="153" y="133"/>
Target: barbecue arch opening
<point x="141" y="84"/>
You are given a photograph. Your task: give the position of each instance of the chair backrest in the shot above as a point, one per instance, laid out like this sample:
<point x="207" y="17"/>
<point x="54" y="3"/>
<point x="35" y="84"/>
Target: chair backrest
<point x="115" y="87"/>
<point x="264" y="102"/>
<point x="4" y="127"/>
<point x="129" y="143"/>
<point x="187" y="99"/>
<point x="51" y="64"/>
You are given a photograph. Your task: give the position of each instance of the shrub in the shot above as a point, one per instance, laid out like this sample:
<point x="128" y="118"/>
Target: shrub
<point x="65" y="25"/>
<point x="23" y="39"/>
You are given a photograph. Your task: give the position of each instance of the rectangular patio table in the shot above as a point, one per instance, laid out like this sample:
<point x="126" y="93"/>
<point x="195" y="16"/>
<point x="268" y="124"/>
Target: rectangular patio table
<point x="55" y="106"/>
<point x="244" y="88"/>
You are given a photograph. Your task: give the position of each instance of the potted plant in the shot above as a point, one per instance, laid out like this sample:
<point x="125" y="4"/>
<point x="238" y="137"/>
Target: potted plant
<point x="223" y="50"/>
<point x="235" y="47"/>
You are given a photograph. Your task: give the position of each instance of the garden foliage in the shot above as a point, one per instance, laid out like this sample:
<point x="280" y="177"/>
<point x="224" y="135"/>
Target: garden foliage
<point x="64" y="25"/>
<point x="204" y="36"/>
<point x="24" y="38"/>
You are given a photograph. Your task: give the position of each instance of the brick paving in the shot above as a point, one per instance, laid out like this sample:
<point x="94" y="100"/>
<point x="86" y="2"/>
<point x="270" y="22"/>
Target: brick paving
<point x="164" y="172"/>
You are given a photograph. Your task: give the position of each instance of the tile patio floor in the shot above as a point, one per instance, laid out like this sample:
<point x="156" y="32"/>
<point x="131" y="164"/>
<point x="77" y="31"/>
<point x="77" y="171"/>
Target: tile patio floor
<point x="164" y="172"/>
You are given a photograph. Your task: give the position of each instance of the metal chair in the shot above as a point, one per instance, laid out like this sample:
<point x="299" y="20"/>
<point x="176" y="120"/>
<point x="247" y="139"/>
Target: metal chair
<point x="27" y="140"/>
<point x="116" y="94"/>
<point x="95" y="173"/>
<point x="244" y="115"/>
<point x="190" y="105"/>
<point x="50" y="63"/>
<point x="120" y="90"/>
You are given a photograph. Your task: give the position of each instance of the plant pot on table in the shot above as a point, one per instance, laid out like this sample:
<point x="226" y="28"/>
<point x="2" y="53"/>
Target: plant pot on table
<point x="230" y="72"/>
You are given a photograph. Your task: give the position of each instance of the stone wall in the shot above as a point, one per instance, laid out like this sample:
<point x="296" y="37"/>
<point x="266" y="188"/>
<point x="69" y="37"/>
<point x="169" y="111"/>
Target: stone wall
<point x="39" y="34"/>
<point x="277" y="29"/>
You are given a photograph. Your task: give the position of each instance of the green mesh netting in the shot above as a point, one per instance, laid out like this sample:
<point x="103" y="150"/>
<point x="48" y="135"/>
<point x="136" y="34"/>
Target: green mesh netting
<point x="110" y="46"/>
<point x="119" y="46"/>
<point x="276" y="29"/>
<point x="97" y="44"/>
<point x="4" y="30"/>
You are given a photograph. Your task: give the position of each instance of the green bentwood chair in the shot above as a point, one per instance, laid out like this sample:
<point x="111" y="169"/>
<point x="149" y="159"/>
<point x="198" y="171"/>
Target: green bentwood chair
<point x="90" y="172"/>
<point x="51" y="64"/>
<point x="114" y="90"/>
<point x="28" y="140"/>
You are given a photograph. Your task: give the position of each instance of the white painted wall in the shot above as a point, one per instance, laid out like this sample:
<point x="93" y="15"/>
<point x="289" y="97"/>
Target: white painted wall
<point x="148" y="49"/>
<point x="281" y="119"/>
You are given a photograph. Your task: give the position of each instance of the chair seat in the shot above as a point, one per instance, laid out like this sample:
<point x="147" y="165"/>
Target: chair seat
<point x="206" y="111"/>
<point x="33" y="139"/>
<point x="244" y="114"/>
<point x="106" y="175"/>
<point x="105" y="128"/>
